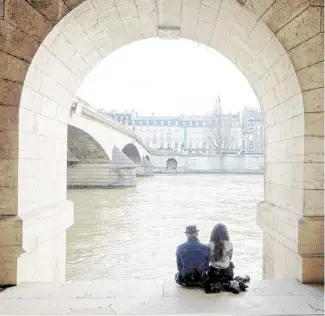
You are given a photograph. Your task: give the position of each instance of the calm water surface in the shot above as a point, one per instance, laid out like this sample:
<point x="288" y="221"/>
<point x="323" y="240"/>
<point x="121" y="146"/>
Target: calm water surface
<point x="133" y="233"/>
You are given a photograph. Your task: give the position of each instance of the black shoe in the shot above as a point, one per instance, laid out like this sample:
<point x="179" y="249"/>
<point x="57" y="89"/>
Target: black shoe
<point x="234" y="287"/>
<point x="243" y="286"/>
<point x="213" y="288"/>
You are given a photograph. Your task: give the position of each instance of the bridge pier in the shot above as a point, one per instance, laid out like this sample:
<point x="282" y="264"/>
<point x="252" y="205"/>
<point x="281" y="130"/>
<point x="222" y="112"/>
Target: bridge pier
<point x="101" y="176"/>
<point x="146" y="168"/>
<point x="120" y="172"/>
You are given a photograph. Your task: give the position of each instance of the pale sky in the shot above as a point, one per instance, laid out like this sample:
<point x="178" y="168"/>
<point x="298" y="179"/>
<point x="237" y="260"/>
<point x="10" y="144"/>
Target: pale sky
<point x="167" y="77"/>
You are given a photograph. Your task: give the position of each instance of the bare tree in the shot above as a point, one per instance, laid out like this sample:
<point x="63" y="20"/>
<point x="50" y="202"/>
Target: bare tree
<point x="219" y="127"/>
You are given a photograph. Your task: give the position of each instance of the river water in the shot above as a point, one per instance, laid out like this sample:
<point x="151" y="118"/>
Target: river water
<point x="133" y="233"/>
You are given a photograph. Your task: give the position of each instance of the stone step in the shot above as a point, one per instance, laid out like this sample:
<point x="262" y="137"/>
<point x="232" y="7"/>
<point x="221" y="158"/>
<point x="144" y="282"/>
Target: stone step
<point x="124" y="297"/>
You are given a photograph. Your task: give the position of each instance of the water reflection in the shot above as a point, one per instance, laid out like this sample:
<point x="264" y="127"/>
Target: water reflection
<point x="133" y="233"/>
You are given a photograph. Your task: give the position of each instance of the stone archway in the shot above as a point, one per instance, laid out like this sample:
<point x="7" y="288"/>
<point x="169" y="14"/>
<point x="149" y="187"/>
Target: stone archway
<point x="171" y="164"/>
<point x="48" y="47"/>
<point x="132" y="152"/>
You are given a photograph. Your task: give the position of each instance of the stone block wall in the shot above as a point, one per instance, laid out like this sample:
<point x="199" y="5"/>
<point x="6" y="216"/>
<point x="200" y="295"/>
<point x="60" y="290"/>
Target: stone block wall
<point x="213" y="164"/>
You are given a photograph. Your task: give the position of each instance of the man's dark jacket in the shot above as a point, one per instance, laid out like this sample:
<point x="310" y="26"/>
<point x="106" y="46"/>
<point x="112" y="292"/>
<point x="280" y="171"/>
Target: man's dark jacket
<point x="192" y="259"/>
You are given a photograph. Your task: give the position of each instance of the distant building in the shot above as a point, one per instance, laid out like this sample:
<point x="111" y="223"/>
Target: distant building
<point x="252" y="130"/>
<point x="184" y="133"/>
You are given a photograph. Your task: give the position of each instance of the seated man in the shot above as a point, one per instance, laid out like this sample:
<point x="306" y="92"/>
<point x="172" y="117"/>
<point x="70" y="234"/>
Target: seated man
<point x="192" y="260"/>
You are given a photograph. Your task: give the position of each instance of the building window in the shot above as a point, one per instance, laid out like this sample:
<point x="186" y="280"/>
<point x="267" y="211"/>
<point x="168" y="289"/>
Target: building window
<point x="189" y="144"/>
<point x="169" y="123"/>
<point x="133" y="123"/>
<point x="161" y="122"/>
<point x="133" y="128"/>
<point x="176" y="146"/>
<point x="197" y="123"/>
<point x="161" y="136"/>
<point x="176" y="123"/>
<point x="154" y="122"/>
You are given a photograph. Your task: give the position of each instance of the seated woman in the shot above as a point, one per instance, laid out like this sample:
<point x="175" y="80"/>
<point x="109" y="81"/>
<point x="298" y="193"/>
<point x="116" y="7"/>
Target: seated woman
<point x="221" y="268"/>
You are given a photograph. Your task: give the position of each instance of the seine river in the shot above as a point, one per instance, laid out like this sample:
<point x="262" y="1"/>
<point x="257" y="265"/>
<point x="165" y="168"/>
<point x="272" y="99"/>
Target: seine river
<point x="133" y="233"/>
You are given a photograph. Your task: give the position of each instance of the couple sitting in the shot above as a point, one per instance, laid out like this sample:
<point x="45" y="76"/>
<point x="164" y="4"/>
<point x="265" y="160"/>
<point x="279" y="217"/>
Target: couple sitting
<point x="208" y="266"/>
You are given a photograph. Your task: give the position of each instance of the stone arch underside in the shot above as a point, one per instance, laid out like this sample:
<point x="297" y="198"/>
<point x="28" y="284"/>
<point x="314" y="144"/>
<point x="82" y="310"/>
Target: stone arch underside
<point x="48" y="47"/>
<point x="132" y="152"/>
<point x="84" y="148"/>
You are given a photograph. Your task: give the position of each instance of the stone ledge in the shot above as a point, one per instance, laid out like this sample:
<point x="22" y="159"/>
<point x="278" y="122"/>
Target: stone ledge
<point x="26" y="237"/>
<point x="44" y="223"/>
<point x="276" y="221"/>
<point x="294" y="231"/>
<point x="147" y="297"/>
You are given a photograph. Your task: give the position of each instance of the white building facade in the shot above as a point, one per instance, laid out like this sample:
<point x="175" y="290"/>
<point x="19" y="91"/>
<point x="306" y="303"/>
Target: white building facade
<point x="181" y="133"/>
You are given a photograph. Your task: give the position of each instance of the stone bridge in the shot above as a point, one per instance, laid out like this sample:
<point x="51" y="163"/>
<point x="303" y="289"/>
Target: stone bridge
<point x="101" y="151"/>
<point x="47" y="48"/>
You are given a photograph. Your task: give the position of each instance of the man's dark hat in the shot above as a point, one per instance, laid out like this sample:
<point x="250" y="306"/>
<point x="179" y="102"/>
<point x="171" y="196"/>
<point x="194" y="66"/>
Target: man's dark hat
<point x="191" y="229"/>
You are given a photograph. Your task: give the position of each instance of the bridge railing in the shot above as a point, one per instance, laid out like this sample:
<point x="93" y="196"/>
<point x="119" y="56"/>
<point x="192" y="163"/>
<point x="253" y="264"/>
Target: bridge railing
<point x="93" y="113"/>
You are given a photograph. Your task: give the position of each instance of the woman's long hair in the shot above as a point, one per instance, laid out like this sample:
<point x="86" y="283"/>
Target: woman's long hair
<point x="218" y="235"/>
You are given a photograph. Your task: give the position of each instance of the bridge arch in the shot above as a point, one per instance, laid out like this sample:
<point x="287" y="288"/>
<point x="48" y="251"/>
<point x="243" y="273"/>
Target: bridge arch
<point x="44" y="62"/>
<point x="132" y="152"/>
<point x="84" y="148"/>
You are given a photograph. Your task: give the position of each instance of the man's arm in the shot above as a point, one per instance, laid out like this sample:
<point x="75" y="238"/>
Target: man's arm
<point x="178" y="261"/>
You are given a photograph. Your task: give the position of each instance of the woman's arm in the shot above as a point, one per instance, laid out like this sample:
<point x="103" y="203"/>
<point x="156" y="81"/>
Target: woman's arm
<point x="231" y="251"/>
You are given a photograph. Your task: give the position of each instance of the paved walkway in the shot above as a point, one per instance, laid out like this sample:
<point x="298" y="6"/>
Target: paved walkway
<point x="150" y="297"/>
